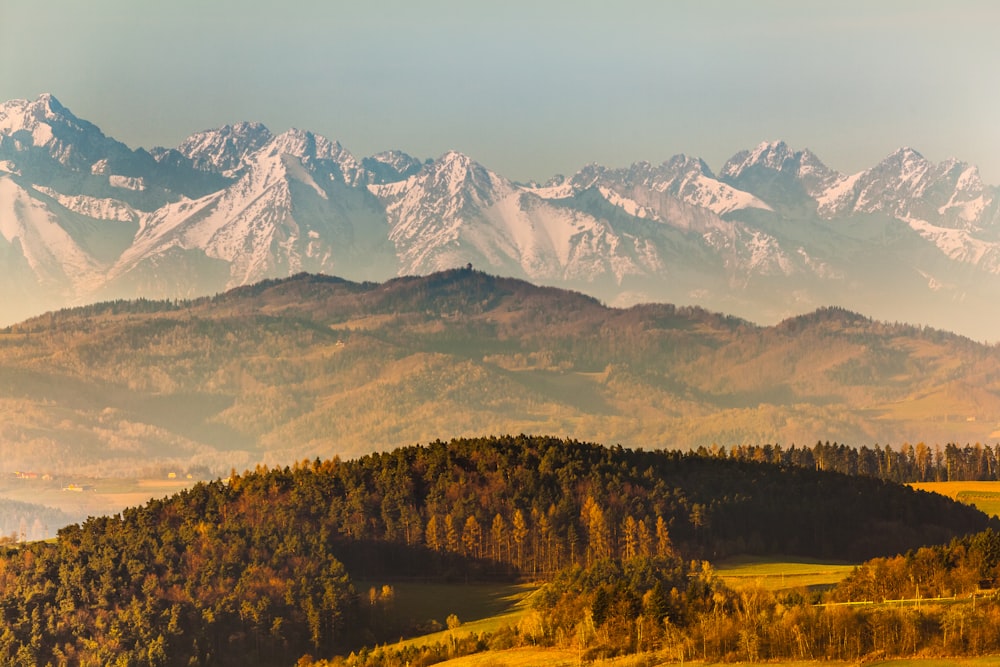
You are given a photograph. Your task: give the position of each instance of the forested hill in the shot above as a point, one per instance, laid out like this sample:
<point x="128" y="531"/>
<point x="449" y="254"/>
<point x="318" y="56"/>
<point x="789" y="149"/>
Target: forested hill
<point x="317" y="366"/>
<point x="258" y="568"/>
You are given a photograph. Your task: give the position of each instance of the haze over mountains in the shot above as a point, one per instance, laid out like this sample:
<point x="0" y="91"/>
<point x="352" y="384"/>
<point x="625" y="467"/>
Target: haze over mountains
<point x="311" y="366"/>
<point x="774" y="233"/>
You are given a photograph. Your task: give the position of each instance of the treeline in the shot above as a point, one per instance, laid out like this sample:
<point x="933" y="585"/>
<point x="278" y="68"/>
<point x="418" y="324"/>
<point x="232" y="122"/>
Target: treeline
<point x="258" y="567"/>
<point x="676" y="613"/>
<point x="698" y="617"/>
<point x="908" y="463"/>
<point x="535" y="505"/>
<point x="965" y="565"/>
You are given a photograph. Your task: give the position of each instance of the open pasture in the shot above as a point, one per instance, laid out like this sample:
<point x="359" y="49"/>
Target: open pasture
<point x="784" y="574"/>
<point x="984" y="496"/>
<point x="479" y="607"/>
<point x="531" y="657"/>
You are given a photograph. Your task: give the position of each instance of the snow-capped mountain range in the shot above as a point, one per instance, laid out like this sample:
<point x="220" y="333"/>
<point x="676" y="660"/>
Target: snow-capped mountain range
<point x="776" y="232"/>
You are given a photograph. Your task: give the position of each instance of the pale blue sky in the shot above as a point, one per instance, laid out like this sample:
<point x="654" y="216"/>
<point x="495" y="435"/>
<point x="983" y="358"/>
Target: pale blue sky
<point x="529" y="89"/>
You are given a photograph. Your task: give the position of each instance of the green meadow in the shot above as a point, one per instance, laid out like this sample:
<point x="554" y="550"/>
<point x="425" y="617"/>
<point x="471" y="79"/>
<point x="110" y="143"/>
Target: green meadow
<point x="535" y="657"/>
<point x="784" y="574"/>
<point x="479" y="607"/>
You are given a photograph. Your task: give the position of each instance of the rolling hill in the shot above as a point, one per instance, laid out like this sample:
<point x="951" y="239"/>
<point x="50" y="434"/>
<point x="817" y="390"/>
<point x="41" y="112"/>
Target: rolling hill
<point x="318" y="366"/>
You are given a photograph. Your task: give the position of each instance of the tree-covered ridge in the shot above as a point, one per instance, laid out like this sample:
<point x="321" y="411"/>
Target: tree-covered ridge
<point x="257" y="567"/>
<point x="317" y="366"/>
<point x="907" y="463"/>
<point x="712" y="506"/>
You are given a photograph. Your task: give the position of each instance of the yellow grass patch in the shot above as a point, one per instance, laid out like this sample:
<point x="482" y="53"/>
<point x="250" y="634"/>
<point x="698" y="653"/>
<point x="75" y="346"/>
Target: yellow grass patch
<point x="983" y="495"/>
<point x="517" y="657"/>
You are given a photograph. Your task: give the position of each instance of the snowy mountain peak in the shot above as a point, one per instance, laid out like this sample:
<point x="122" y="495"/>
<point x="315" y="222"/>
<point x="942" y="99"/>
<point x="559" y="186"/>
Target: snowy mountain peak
<point x="904" y="154"/>
<point x="52" y="106"/>
<point x="907" y="162"/>
<point x="225" y="150"/>
<point x="236" y="204"/>
<point x="769" y="155"/>
<point x="793" y="175"/>
<point x="390" y="167"/>
<point x="315" y="150"/>
<point x="935" y="200"/>
<point x="455" y="160"/>
<point x="688" y="164"/>
<point x="304" y="144"/>
<point x="652" y="192"/>
<point x="17" y="115"/>
<point x="459" y="176"/>
<point x="46" y="124"/>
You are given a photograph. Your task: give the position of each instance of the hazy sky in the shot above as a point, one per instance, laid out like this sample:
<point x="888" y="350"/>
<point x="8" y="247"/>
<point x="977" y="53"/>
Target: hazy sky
<point x="529" y="89"/>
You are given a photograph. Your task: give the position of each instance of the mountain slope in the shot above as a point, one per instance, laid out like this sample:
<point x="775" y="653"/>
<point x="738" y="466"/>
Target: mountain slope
<point x="314" y="366"/>
<point x="292" y="209"/>
<point x="775" y="233"/>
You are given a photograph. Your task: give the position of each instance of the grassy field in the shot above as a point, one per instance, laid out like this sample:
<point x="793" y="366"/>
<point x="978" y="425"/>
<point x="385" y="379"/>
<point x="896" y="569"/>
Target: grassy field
<point x="784" y="574"/>
<point x="985" y="496"/>
<point x="532" y="657"/>
<point x="479" y="607"/>
<point x="987" y="661"/>
<point x="484" y="608"/>
<point x="517" y="657"/>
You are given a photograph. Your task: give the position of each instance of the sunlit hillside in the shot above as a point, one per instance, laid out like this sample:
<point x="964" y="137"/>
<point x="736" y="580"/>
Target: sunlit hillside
<point x="315" y="366"/>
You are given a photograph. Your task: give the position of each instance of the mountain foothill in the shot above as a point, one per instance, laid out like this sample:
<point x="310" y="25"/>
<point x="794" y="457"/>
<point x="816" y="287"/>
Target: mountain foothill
<point x="312" y="365"/>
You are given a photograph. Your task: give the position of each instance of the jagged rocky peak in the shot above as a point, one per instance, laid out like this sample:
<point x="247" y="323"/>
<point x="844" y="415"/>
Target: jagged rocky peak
<point x="687" y="164"/>
<point x="588" y="176"/>
<point x="17" y="115"/>
<point x="306" y="145"/>
<point x="906" y="162"/>
<point x="225" y="149"/>
<point x="777" y="156"/>
<point x="644" y="173"/>
<point x="455" y="171"/>
<point x="45" y="123"/>
<point x="768" y="154"/>
<point x="907" y="167"/>
<point x="390" y="167"/>
<point x="315" y="151"/>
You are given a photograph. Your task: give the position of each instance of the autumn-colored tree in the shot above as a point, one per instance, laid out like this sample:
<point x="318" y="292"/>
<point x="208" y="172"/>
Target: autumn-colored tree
<point x="630" y="538"/>
<point x="498" y="537"/>
<point x="519" y="532"/>
<point x="451" y="533"/>
<point x="664" y="547"/>
<point x="472" y="537"/>
<point x="431" y="534"/>
<point x="598" y="532"/>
